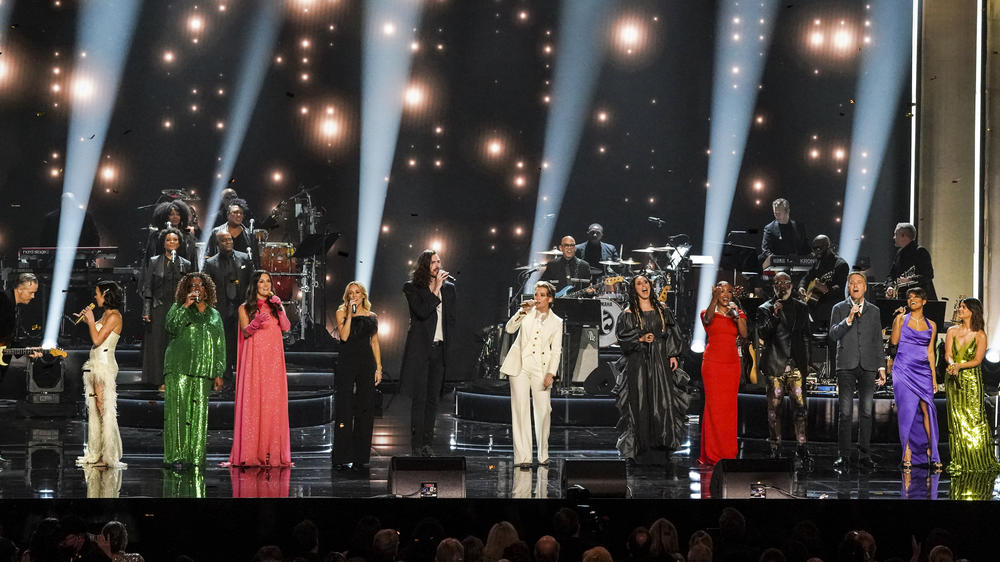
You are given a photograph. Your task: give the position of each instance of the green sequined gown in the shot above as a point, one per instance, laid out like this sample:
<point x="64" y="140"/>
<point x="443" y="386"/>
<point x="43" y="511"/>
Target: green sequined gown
<point x="195" y="356"/>
<point x="969" y="435"/>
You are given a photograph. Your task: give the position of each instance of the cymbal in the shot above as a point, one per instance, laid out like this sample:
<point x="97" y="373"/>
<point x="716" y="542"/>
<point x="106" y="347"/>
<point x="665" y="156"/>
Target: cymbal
<point x="609" y="262"/>
<point x="649" y="250"/>
<point x="629" y="261"/>
<point x="664" y="249"/>
<point x="182" y="194"/>
<point x="551" y="253"/>
<point x="526" y="267"/>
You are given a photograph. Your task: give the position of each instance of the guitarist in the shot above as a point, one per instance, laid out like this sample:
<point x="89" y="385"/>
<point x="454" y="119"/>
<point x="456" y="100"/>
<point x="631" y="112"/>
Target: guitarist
<point x="22" y="291"/>
<point x="783" y="327"/>
<point x="910" y="255"/>
<point x="562" y="270"/>
<point x="823" y="286"/>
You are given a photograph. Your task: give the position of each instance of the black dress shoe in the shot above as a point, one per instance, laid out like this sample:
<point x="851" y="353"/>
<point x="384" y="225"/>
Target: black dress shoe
<point x="524" y="465"/>
<point x="342" y="467"/>
<point x="842" y="464"/>
<point x="867" y="464"/>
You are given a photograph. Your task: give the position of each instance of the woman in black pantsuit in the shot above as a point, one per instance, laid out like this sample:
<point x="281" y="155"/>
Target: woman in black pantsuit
<point x="358" y="372"/>
<point x="159" y="283"/>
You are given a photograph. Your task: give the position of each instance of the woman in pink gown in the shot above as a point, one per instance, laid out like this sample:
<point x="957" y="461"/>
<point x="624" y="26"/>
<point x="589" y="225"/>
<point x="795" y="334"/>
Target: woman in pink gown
<point x="260" y="433"/>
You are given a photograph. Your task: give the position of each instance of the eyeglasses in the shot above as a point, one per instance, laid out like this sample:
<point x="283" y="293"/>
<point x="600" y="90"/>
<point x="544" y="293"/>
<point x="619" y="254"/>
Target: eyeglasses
<point x="567" y="245"/>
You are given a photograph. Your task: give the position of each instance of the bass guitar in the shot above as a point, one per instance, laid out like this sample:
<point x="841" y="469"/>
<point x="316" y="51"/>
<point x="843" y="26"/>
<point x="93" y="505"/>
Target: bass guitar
<point x="567" y="292"/>
<point x="19" y="351"/>
<point x="813" y="295"/>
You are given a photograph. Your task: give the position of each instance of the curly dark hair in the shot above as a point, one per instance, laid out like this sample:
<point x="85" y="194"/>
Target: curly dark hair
<point x="250" y="304"/>
<point x="184" y="287"/>
<point x="633" y="303"/>
<point x="421" y="275"/>
<point x="114" y="297"/>
<point x="161" y="239"/>
<point x="161" y="215"/>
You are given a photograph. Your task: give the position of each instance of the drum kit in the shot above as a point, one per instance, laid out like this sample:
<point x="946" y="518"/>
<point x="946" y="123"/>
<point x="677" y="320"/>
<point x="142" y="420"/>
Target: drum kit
<point x="664" y="267"/>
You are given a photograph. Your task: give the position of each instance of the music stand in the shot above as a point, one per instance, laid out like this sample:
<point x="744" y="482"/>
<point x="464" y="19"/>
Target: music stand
<point x="317" y="244"/>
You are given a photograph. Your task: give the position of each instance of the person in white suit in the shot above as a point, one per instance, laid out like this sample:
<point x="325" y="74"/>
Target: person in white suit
<point x="531" y="366"/>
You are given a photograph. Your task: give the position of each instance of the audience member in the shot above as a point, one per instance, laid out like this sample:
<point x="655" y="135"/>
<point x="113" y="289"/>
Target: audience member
<point x="364" y="535"/>
<point x="703" y="538"/>
<point x="566" y="530"/>
<point x="597" y="554"/>
<point x="385" y="546"/>
<point x="306" y="541"/>
<point x="517" y="551"/>
<point x="423" y="541"/>
<point x="546" y="549"/>
<point x="117" y="536"/>
<point x="772" y="555"/>
<point x="8" y="550"/>
<point x="78" y="544"/>
<point x="473" y="549"/>
<point x="732" y="544"/>
<point x="698" y="552"/>
<point x="502" y="535"/>
<point x="638" y="545"/>
<point x="940" y="553"/>
<point x="664" y="542"/>
<point x="269" y="553"/>
<point x="449" y="550"/>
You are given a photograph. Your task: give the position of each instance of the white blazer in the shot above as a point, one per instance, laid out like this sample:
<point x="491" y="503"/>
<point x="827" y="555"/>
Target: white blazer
<point x="550" y="339"/>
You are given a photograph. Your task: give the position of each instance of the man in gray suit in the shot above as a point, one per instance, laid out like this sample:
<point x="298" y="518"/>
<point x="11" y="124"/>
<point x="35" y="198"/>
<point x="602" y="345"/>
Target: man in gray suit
<point x="856" y="327"/>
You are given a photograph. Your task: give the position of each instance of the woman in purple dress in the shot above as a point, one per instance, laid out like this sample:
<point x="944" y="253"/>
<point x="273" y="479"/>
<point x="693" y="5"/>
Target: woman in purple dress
<point x="914" y="382"/>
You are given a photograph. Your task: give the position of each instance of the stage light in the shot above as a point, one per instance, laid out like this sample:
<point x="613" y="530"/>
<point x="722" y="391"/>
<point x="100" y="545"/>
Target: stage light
<point x="262" y="37"/>
<point x="385" y="67"/>
<point x="168" y="56"/>
<point x="83" y="89"/>
<point x="631" y="38"/>
<point x="277" y="176"/>
<point x="881" y="79"/>
<point x="104" y="29"/>
<point x="579" y="58"/>
<point x="167" y="124"/>
<point x="732" y="115"/>
<point x="195" y="24"/>
<point x="839" y="153"/>
<point x="108" y="173"/>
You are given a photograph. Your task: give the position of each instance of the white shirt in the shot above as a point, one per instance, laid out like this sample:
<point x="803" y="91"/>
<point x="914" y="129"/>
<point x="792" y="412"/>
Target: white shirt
<point x="439" y="329"/>
<point x="533" y="350"/>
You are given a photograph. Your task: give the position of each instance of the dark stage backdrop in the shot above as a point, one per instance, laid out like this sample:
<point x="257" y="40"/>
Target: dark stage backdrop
<point x="487" y="68"/>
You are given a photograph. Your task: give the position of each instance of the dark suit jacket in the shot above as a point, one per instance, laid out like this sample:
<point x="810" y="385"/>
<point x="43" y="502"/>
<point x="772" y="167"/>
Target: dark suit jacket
<point x="859" y="344"/>
<point x="785" y="336"/>
<point x="608" y="253"/>
<point x="230" y="290"/>
<point x="420" y="335"/>
<point x="773" y="243"/>
<point x="556" y="270"/>
<point x="824" y="305"/>
<point x="154" y="293"/>
<point x="917" y="257"/>
<point x="240" y="243"/>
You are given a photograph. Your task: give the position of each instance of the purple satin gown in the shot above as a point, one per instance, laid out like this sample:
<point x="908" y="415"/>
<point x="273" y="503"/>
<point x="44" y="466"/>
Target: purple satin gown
<point x="911" y="383"/>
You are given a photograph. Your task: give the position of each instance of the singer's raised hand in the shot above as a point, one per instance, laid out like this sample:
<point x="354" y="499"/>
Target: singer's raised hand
<point x="88" y="315"/>
<point x="191" y="299"/>
<point x="274" y="299"/>
<point x="527" y="305"/>
<point x="777" y="307"/>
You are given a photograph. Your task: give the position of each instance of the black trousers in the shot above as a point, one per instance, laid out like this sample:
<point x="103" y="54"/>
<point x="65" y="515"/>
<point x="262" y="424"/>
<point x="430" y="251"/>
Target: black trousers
<point x="232" y="327"/>
<point x="425" y="397"/>
<point x="354" y="415"/>
<point x="864" y="382"/>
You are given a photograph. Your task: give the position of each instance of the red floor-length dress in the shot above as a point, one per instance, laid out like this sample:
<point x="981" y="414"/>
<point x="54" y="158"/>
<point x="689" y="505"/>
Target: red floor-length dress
<point x="260" y="433"/>
<point x="720" y="372"/>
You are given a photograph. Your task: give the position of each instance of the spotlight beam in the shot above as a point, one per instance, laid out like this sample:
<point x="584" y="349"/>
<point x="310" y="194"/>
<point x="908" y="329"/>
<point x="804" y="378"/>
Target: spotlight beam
<point x="734" y="95"/>
<point x="253" y="70"/>
<point x="104" y="30"/>
<point x="5" y="9"/>
<point x="882" y="72"/>
<point x="385" y="69"/>
<point x="579" y="56"/>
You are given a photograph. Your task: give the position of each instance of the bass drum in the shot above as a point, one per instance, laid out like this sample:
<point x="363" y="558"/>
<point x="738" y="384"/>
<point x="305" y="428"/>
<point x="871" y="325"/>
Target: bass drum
<point x="276" y="258"/>
<point x="610" y="311"/>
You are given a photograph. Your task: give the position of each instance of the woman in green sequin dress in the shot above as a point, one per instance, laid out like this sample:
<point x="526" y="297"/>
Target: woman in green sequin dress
<point x="969" y="435"/>
<point x="194" y="361"/>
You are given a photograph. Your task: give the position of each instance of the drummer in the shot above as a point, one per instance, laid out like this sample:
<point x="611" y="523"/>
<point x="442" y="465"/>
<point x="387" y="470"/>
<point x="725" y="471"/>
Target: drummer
<point x="594" y="250"/>
<point x="242" y="240"/>
<point x="568" y="270"/>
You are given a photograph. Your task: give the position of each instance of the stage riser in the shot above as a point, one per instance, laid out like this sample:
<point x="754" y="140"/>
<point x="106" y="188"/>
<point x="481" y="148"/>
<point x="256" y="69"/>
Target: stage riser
<point x="821" y="425"/>
<point x="306" y="410"/>
<point x="495" y="408"/>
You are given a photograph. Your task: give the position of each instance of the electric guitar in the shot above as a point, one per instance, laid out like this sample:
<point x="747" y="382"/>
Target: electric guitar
<point x="19" y="351"/>
<point x="745" y="347"/>
<point x="892" y="291"/>
<point x="812" y="293"/>
<point x="567" y="293"/>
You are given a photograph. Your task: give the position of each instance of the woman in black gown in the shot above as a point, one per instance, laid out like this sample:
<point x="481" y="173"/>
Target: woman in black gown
<point x="159" y="282"/>
<point x="653" y="405"/>
<point x="358" y="372"/>
<point x="176" y="214"/>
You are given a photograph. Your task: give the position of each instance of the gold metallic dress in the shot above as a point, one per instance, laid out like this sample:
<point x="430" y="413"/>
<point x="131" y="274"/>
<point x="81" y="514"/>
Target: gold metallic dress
<point x="969" y="435"/>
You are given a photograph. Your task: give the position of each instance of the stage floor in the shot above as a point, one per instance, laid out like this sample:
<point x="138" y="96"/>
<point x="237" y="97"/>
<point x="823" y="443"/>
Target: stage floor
<point x="41" y="456"/>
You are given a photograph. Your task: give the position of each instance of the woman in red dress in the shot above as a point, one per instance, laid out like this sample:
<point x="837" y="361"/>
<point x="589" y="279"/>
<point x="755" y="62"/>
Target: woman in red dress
<point x="720" y="372"/>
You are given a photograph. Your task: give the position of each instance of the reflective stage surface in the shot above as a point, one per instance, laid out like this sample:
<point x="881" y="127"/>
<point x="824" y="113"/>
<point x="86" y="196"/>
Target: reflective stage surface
<point x="41" y="463"/>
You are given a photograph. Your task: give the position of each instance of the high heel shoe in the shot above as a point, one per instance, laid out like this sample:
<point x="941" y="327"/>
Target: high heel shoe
<point x="906" y="465"/>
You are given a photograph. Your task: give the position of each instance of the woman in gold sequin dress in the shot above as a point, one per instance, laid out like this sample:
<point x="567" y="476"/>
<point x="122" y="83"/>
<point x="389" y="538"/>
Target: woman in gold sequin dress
<point x="969" y="435"/>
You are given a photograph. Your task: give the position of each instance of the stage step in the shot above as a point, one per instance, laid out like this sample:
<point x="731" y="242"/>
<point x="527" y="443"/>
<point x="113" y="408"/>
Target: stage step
<point x="144" y="409"/>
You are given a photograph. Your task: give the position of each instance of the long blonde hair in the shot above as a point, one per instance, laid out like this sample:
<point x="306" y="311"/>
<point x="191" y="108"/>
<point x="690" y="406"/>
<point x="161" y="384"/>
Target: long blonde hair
<point x="364" y="296"/>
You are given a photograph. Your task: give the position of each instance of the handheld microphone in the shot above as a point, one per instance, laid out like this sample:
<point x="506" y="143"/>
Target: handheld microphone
<point x="354" y="308"/>
<point x="747" y="231"/>
<point x="251" y="226"/>
<point x="656" y="220"/>
<point x="173" y="255"/>
<point x="452" y="279"/>
<point x="80" y="316"/>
